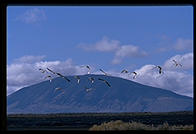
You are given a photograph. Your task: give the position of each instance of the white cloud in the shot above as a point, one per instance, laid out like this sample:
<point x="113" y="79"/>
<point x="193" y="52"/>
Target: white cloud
<point x="23" y="73"/>
<point x="127" y="51"/>
<point x="183" y="44"/>
<point x="116" y="60"/>
<point x="105" y="45"/>
<point x="179" y="82"/>
<point x="121" y="51"/>
<point x="32" y="16"/>
<point x="185" y="60"/>
<point x="174" y="79"/>
<point x="29" y="59"/>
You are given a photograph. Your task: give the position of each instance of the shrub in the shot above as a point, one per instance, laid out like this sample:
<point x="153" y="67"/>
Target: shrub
<point x="120" y="125"/>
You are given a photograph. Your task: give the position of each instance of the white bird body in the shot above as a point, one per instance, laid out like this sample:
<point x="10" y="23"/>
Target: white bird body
<point x="91" y="79"/>
<point x="78" y="79"/>
<point x="50" y="77"/>
<point x="134" y="74"/>
<point x="88" y="67"/>
<point x="58" y="88"/>
<point x="88" y="89"/>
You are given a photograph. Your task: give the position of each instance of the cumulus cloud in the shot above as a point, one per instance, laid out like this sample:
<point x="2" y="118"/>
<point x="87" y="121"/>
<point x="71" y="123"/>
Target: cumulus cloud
<point x="183" y="44"/>
<point x="186" y="60"/>
<point x="175" y="79"/>
<point x="32" y="16"/>
<point x="105" y="45"/>
<point x="121" y="51"/>
<point x="23" y="73"/>
<point x="29" y="59"/>
<point x="127" y="51"/>
<point x="178" y="80"/>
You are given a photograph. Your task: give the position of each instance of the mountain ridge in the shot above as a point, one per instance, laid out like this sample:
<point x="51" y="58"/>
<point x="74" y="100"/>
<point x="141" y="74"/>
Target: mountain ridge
<point x="123" y="96"/>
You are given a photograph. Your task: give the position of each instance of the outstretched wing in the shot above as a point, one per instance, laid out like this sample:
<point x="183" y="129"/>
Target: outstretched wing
<point x="154" y="67"/>
<point x="63" y="77"/>
<point x="124" y="71"/>
<point x="66" y="78"/>
<point x="105" y="81"/>
<point x="174" y="61"/>
<point x="103" y="72"/>
<point x="51" y="71"/>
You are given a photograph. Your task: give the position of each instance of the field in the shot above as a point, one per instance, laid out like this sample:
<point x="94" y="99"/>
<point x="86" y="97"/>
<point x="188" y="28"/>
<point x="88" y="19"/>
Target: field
<point x="84" y="121"/>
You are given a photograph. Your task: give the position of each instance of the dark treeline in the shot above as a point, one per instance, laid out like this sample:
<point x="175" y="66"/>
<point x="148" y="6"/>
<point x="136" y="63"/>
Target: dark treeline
<point x="100" y="114"/>
<point x="87" y="120"/>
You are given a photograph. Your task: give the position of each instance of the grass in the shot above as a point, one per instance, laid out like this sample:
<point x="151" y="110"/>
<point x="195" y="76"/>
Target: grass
<point x="120" y="125"/>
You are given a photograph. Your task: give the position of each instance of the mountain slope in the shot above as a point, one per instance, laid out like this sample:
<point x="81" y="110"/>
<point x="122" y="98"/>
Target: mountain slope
<point x="123" y="96"/>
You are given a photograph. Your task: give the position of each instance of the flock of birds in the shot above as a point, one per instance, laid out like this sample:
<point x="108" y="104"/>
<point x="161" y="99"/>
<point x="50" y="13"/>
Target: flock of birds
<point x="87" y="89"/>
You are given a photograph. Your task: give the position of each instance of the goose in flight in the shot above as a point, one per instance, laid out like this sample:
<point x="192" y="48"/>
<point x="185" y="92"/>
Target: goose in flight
<point x="160" y="69"/>
<point x="124" y="71"/>
<point x="63" y="77"/>
<point x="57" y="88"/>
<point x="50" y="77"/>
<point x="88" y="67"/>
<point x="51" y="71"/>
<point x="91" y="79"/>
<point x="42" y="70"/>
<point x="88" y="89"/>
<point x="176" y="63"/>
<point x="104" y="81"/>
<point x="103" y="72"/>
<point x="134" y="74"/>
<point x="78" y="78"/>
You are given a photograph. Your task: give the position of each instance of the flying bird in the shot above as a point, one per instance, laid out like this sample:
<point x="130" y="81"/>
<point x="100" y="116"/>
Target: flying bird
<point x="57" y="88"/>
<point x="103" y="72"/>
<point x="42" y="70"/>
<point x="160" y="69"/>
<point x="88" y="89"/>
<point x="50" y="77"/>
<point x="134" y="74"/>
<point x="63" y="77"/>
<point x="88" y="67"/>
<point x="78" y="78"/>
<point x="176" y="63"/>
<point x="91" y="79"/>
<point x="51" y="71"/>
<point x="124" y="71"/>
<point x="104" y="81"/>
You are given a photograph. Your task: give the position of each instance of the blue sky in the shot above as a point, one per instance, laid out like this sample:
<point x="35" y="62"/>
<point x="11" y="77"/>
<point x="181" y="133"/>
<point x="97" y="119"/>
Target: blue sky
<point x="138" y="35"/>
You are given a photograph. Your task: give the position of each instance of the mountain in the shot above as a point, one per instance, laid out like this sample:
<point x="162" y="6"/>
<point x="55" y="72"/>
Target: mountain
<point x="123" y="96"/>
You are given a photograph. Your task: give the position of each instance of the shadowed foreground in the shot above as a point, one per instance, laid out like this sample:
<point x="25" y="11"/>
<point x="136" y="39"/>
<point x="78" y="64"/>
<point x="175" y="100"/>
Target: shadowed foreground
<point x="85" y="121"/>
